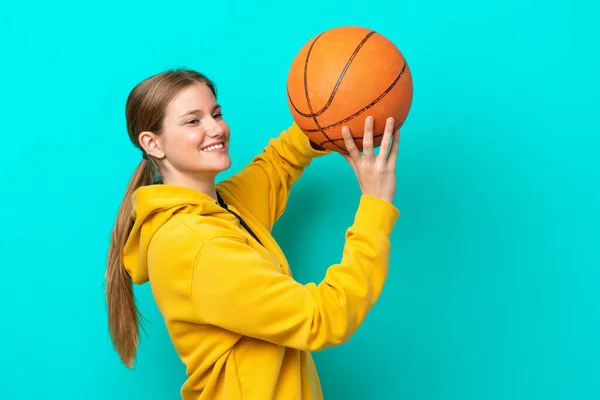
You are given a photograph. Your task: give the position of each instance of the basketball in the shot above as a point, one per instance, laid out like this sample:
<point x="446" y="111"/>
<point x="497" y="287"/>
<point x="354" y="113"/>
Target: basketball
<point x="343" y="75"/>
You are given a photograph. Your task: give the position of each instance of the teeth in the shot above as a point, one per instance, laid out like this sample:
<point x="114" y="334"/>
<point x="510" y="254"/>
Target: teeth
<point x="215" y="147"/>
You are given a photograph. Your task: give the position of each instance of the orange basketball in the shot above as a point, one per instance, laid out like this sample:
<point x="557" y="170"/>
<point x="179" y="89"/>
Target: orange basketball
<point x="343" y="75"/>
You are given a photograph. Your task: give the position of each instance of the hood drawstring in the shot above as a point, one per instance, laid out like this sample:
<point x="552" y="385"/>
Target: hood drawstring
<point x="224" y="205"/>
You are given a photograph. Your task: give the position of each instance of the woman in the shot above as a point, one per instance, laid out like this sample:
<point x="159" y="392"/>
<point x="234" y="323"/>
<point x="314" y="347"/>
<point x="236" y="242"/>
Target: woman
<point x="241" y="324"/>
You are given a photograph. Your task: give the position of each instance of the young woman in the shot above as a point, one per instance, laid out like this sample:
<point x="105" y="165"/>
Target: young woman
<point x="241" y="324"/>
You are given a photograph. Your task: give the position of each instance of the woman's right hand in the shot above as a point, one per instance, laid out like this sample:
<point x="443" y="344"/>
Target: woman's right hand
<point x="376" y="173"/>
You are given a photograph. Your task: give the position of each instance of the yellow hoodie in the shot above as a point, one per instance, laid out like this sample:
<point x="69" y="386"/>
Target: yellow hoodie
<point x="241" y="324"/>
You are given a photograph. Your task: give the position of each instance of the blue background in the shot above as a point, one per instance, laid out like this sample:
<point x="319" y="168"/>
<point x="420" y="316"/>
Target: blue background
<point x="493" y="291"/>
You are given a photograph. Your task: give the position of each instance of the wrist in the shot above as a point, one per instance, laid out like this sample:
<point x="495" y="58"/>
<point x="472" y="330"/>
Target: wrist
<point x="376" y="215"/>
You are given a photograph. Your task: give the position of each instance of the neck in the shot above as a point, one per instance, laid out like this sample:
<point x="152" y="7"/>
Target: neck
<point x="203" y="184"/>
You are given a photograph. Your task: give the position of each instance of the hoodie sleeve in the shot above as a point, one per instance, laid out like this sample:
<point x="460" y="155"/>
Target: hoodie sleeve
<point x="238" y="290"/>
<point x="263" y="186"/>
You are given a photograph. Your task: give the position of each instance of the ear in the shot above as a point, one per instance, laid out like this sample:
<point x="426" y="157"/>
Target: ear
<point x="151" y="145"/>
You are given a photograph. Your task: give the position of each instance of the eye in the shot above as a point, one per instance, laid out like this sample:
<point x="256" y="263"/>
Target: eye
<point x="192" y="122"/>
<point x="218" y="115"/>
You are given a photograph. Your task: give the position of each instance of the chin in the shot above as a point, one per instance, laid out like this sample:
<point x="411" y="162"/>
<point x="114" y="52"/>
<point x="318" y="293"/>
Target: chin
<point x="219" y="165"/>
<point x="225" y="166"/>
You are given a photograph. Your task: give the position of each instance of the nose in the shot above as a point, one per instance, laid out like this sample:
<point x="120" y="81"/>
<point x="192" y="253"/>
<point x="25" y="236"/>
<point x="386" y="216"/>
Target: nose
<point x="213" y="128"/>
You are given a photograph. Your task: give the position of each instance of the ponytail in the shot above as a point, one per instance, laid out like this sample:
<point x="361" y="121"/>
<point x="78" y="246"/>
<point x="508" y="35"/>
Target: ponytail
<point x="123" y="315"/>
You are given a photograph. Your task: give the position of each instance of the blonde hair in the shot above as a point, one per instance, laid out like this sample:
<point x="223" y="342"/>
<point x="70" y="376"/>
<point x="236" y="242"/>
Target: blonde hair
<point x="145" y="110"/>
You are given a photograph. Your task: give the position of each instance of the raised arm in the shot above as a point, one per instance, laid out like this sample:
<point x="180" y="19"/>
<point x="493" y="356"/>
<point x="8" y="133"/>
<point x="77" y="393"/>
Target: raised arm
<point x="237" y="289"/>
<point x="263" y="186"/>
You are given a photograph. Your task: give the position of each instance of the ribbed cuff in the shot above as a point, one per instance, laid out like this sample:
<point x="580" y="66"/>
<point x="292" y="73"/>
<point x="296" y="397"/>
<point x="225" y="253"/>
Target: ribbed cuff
<point x="376" y="215"/>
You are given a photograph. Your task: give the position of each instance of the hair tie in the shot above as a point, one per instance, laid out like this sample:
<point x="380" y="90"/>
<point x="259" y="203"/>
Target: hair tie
<point x="157" y="179"/>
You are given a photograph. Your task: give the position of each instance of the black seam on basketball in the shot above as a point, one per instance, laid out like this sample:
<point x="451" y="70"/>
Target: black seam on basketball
<point x="308" y="97"/>
<point x="339" y="81"/>
<point x="287" y="88"/>
<point x="394" y="83"/>
<point x="354" y="137"/>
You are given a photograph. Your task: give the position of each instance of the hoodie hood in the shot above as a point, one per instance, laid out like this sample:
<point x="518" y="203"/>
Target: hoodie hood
<point x="152" y="207"/>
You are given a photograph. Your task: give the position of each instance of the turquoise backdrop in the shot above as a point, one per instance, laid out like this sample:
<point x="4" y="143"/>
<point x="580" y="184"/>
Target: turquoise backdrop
<point x="494" y="287"/>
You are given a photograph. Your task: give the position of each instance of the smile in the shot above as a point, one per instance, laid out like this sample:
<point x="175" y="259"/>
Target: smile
<point x="214" y="147"/>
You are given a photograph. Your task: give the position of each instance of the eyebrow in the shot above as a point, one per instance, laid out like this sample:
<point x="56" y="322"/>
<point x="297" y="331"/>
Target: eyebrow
<point x="217" y="106"/>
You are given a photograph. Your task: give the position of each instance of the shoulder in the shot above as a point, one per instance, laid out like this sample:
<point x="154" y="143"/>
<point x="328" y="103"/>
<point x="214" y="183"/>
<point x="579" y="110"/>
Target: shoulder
<point x="175" y="248"/>
<point x="184" y="235"/>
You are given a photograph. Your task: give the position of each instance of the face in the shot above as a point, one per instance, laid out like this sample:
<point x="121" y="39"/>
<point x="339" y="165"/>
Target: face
<point x="194" y="142"/>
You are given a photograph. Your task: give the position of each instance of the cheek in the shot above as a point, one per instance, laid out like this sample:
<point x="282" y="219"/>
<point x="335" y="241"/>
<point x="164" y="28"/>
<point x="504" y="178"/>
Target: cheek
<point x="194" y="137"/>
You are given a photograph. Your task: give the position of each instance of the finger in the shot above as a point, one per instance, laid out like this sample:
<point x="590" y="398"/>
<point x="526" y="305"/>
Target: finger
<point x="394" y="150"/>
<point x="368" y="138"/>
<point x="387" y="139"/>
<point x="353" y="151"/>
<point x="350" y="162"/>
